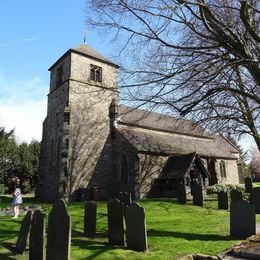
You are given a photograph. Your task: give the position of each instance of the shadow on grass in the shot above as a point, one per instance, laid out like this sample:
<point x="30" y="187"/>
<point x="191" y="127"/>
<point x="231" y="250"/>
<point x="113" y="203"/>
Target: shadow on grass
<point x="10" y="255"/>
<point x="188" y="236"/>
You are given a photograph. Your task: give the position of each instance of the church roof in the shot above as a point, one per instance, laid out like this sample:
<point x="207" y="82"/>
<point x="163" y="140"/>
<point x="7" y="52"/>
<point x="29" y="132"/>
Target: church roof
<point x="158" y="142"/>
<point x="178" y="166"/>
<point x="152" y="120"/>
<point x="86" y="50"/>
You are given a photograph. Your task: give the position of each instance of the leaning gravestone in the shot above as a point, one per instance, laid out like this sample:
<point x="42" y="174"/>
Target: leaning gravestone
<point x="125" y="198"/>
<point x="59" y="232"/>
<point x="182" y="198"/>
<point x="136" y="235"/>
<point x="236" y="195"/>
<point x="115" y="222"/>
<point x="255" y="199"/>
<point x="90" y="219"/>
<point x="242" y="219"/>
<point x="197" y="194"/>
<point x="36" y="245"/>
<point x="23" y="234"/>
<point x="222" y="200"/>
<point x="248" y="184"/>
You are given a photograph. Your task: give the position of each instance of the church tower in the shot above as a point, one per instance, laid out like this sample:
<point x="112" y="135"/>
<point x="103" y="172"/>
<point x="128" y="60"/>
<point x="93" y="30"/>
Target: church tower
<point x="75" y="148"/>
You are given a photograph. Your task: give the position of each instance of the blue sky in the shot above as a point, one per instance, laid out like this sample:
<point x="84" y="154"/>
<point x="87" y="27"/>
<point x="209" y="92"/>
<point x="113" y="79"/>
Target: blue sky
<point x="34" y="34"/>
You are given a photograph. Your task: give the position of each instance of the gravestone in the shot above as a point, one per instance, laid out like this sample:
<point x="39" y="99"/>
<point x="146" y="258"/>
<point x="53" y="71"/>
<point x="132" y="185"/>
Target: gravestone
<point x="125" y="198"/>
<point x="37" y="233"/>
<point x="248" y="184"/>
<point x="255" y="199"/>
<point x="136" y="235"/>
<point x="197" y="194"/>
<point x="90" y="218"/>
<point x="115" y="222"/>
<point x="23" y="234"/>
<point x="182" y="198"/>
<point x="242" y="219"/>
<point x="59" y="232"/>
<point x="235" y="195"/>
<point x="222" y="200"/>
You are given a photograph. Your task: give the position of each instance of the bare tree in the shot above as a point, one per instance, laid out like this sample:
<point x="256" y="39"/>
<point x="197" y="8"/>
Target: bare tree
<point x="199" y="58"/>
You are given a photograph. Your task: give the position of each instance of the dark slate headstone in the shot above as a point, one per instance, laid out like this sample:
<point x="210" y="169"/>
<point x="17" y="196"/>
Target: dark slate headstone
<point x="59" y="232"/>
<point x="242" y="219"/>
<point x="181" y="191"/>
<point x="90" y="219"/>
<point x="115" y="222"/>
<point x="222" y="200"/>
<point x="255" y="199"/>
<point x="197" y="194"/>
<point x="136" y="236"/>
<point x="248" y="184"/>
<point x="37" y="233"/>
<point x="125" y="198"/>
<point x="23" y="234"/>
<point x="235" y="195"/>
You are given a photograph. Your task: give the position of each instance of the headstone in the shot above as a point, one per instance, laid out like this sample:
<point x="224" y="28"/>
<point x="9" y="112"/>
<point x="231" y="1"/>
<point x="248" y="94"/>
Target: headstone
<point x="248" y="184"/>
<point x="182" y="198"/>
<point x="235" y="195"/>
<point x="90" y="218"/>
<point x="136" y="235"/>
<point x="23" y="234"/>
<point x="37" y="233"/>
<point x="197" y="194"/>
<point x="222" y="200"/>
<point x="59" y="232"/>
<point x="115" y="222"/>
<point x="242" y="219"/>
<point x="255" y="199"/>
<point x="125" y="198"/>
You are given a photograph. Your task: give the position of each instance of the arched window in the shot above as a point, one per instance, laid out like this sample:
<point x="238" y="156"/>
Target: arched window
<point x="96" y="73"/>
<point x="222" y="167"/>
<point x="124" y="169"/>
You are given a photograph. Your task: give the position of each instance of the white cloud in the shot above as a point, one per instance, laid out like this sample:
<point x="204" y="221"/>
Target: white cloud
<point x="26" y="118"/>
<point x="23" y="106"/>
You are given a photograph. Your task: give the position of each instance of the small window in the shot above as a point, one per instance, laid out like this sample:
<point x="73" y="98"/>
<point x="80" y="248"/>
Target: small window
<point x="59" y="76"/>
<point x="222" y="169"/>
<point x="96" y="73"/>
<point x="124" y="169"/>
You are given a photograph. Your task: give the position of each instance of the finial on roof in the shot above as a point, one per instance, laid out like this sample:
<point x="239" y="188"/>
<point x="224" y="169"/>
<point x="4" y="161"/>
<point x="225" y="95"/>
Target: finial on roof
<point x="85" y="36"/>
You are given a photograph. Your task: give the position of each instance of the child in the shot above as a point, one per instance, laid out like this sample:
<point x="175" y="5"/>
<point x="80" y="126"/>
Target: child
<point x="17" y="197"/>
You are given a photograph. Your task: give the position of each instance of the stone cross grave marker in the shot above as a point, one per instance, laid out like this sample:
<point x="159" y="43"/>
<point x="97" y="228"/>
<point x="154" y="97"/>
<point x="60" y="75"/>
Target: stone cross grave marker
<point x="37" y="233"/>
<point x="242" y="219"/>
<point x="125" y="198"/>
<point x="255" y="199"/>
<point x="90" y="218"/>
<point x="182" y="198"/>
<point x="236" y="195"/>
<point x="115" y="216"/>
<point x="23" y="234"/>
<point x="248" y="184"/>
<point x="197" y="194"/>
<point x="136" y="235"/>
<point x="222" y="200"/>
<point x="59" y="232"/>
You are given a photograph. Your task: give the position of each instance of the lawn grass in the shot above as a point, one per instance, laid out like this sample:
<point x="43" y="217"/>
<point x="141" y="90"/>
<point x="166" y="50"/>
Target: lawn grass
<point x="173" y="231"/>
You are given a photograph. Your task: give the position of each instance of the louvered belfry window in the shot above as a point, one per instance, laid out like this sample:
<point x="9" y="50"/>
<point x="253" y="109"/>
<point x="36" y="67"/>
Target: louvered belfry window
<point x="96" y="73"/>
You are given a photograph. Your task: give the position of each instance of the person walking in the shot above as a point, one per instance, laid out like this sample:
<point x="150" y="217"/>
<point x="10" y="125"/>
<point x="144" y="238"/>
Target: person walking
<point x="17" y="197"/>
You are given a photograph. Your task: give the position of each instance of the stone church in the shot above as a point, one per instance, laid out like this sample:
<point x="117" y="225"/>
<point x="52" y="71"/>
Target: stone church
<point x="89" y="140"/>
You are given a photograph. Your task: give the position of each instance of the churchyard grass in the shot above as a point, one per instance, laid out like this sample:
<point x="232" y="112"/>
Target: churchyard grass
<point x="173" y="231"/>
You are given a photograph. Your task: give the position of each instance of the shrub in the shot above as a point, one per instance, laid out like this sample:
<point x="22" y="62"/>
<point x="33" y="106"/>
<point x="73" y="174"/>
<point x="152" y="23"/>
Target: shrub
<point x="225" y="187"/>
